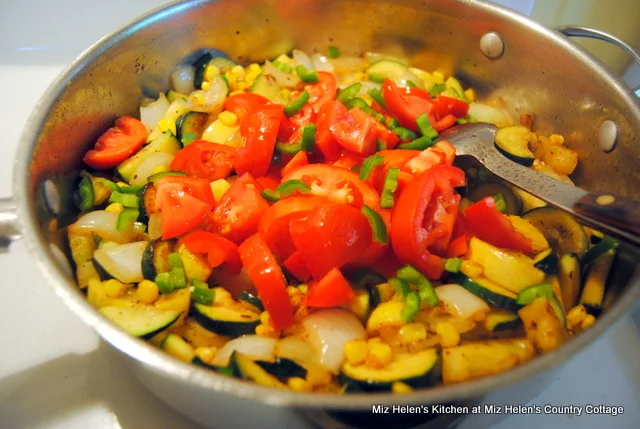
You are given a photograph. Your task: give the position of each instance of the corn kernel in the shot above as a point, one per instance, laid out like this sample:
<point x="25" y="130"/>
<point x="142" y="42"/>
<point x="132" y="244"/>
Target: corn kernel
<point x="148" y="291"/>
<point x="284" y="58"/>
<point x="439" y="76"/>
<point x="114" y="208"/>
<point x="206" y="354"/>
<point x="205" y="85"/>
<point x="228" y="118"/>
<point x="210" y="72"/>
<point x="398" y="387"/>
<point x="412" y="333"/>
<point x="386" y="292"/>
<point x="588" y="321"/>
<point x="265" y="331"/>
<point x="303" y="288"/>
<point x="449" y="337"/>
<point x="298" y="384"/>
<point x="254" y="68"/>
<point x="238" y="70"/>
<point x="470" y="94"/>
<point x="114" y="288"/>
<point x="167" y="124"/>
<point x="251" y="77"/>
<point x="160" y="169"/>
<point x="471" y="269"/>
<point x="199" y="98"/>
<point x="380" y="354"/>
<point x="264" y="318"/>
<point x="576" y="315"/>
<point x="355" y="351"/>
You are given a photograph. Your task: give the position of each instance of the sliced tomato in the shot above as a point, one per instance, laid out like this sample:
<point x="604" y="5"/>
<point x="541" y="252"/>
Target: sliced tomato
<point x="394" y="158"/>
<point x="260" y="130"/>
<point x="457" y="247"/>
<point x="331" y="112"/>
<point x="299" y="159"/>
<point x="338" y="184"/>
<point x="204" y="159"/>
<point x="243" y="104"/>
<point x="444" y="123"/>
<point x="349" y="160"/>
<point x="117" y="144"/>
<point x="443" y="106"/>
<point x="387" y="264"/>
<point x="332" y="290"/>
<point x="268" y="182"/>
<point x="238" y="212"/>
<point x="390" y="139"/>
<point x="406" y="104"/>
<point x="423" y="217"/>
<point x="219" y="250"/>
<point x="331" y="236"/>
<point x="443" y="153"/>
<point x="266" y="275"/>
<point x="195" y="186"/>
<point x="289" y="125"/>
<point x="324" y="90"/>
<point x="296" y="266"/>
<point x="375" y="249"/>
<point x="356" y="132"/>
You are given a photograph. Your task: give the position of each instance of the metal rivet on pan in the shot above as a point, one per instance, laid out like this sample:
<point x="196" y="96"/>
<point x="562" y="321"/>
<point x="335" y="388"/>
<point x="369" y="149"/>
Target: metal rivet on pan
<point x="51" y="197"/>
<point x="607" y="135"/>
<point x="491" y="45"/>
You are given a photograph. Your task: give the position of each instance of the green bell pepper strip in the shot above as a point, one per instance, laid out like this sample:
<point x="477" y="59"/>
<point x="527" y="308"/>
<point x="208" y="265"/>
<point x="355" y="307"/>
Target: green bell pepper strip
<point x="378" y="227"/>
<point x="412" y="303"/>
<point x="201" y="294"/>
<point x="603" y="246"/>
<point x="425" y="288"/>
<point x="401" y="286"/>
<point x="369" y="164"/>
<point x="296" y="105"/>
<point x="530" y="293"/>
<point x="163" y="283"/>
<point x="389" y="188"/>
<point x="175" y="261"/>
<point x="178" y="278"/>
<point x="270" y="195"/>
<point x="308" y="76"/>
<point x="291" y="186"/>
<point x="452" y="265"/>
<point x="333" y="52"/>
<point x="126" y="218"/>
<point x="127" y="200"/>
<point x="420" y="143"/>
<point x="308" y="139"/>
<point x="424" y="125"/>
<point x="404" y="133"/>
<point x="282" y="66"/>
<point x="501" y="204"/>
<point x="349" y="92"/>
<point x="129" y="189"/>
<point x="377" y="96"/>
<point x="289" y="149"/>
<point x="392" y="123"/>
<point x="155" y="177"/>
<point x="437" y="89"/>
<point x="85" y="197"/>
<point x="357" y="102"/>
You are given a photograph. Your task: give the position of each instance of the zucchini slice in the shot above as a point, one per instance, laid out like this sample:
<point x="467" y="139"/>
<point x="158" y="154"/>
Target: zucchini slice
<point x="570" y="280"/>
<point x="190" y="126"/>
<point x="253" y="301"/>
<point x="226" y="321"/>
<point x="250" y="370"/>
<point x="102" y="273"/>
<point x="177" y="347"/>
<point x="224" y="370"/>
<point x="223" y="64"/>
<point x="266" y="86"/>
<point x="166" y="142"/>
<point x="563" y="232"/>
<point x="283" y="367"/>
<point x="195" y="266"/>
<point x="513" y="142"/>
<point x="385" y="69"/>
<point x="418" y="370"/>
<point x="147" y="202"/>
<point x="489" y="291"/>
<point x="141" y="321"/>
<point x="491" y="189"/>
<point x="148" y="270"/>
<point x="595" y="284"/>
<point x="500" y="320"/>
<point x="364" y="303"/>
<point x="546" y="261"/>
<point x="161" y="251"/>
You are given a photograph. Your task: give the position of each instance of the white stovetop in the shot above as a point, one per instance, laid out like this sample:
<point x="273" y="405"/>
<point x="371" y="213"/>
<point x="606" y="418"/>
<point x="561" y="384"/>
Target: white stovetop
<point x="54" y="371"/>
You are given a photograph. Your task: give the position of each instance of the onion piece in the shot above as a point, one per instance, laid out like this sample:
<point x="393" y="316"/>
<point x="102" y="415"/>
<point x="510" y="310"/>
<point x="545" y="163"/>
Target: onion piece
<point x="460" y="302"/>
<point x="296" y="349"/>
<point x="213" y="97"/>
<point x="254" y="346"/>
<point x="103" y="224"/>
<point x="282" y="78"/>
<point x="327" y="333"/>
<point x="492" y="115"/>
<point x="409" y="77"/>
<point x="155" y="226"/>
<point x="182" y="79"/>
<point x="302" y="59"/>
<point x="142" y="173"/>
<point x="322" y="63"/>
<point x="153" y="112"/>
<point x="123" y="261"/>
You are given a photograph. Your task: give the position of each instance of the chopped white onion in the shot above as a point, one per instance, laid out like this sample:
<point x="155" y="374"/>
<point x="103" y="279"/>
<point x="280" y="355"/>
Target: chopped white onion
<point x="346" y="64"/>
<point x="327" y="333"/>
<point x="142" y="173"/>
<point x="155" y="226"/>
<point x="374" y="57"/>
<point x="153" y="112"/>
<point x="322" y="63"/>
<point x="123" y="261"/>
<point x="254" y="346"/>
<point x="103" y="224"/>
<point x="182" y="79"/>
<point x="282" y="78"/>
<point x="460" y="302"/>
<point x="302" y="59"/>
<point x="296" y="349"/>
<point x="213" y="97"/>
<point x="492" y="115"/>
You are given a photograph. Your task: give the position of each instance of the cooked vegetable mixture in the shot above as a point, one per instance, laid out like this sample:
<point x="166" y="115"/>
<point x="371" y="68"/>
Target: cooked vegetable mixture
<point x="299" y="224"/>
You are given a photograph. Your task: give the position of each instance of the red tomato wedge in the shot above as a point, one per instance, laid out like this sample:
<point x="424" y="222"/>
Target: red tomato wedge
<point x="406" y="104"/>
<point x="117" y="144"/>
<point x="268" y="279"/>
<point x="322" y="91"/>
<point x="288" y="126"/>
<point x="331" y="112"/>
<point x="238" y="212"/>
<point x="491" y="226"/>
<point x="332" y="290"/>
<point x="356" y="132"/>
<point x="331" y="236"/>
<point x="260" y="130"/>
<point x="195" y="186"/>
<point x="443" y="153"/>
<point x="219" y="250"/>
<point x="299" y="159"/>
<point x="243" y="104"/>
<point x="296" y="266"/>
<point x="443" y="106"/>
<point x="423" y="218"/>
<point x="457" y="247"/>
<point x="267" y="182"/>
<point x="204" y="159"/>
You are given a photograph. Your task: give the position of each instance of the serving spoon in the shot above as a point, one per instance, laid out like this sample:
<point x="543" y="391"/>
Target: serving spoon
<point x="604" y="211"/>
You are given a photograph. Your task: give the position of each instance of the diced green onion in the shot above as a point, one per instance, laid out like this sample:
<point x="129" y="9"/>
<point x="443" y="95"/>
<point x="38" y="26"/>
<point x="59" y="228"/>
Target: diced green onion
<point x="308" y="76"/>
<point x="369" y="164"/>
<point x="412" y="303"/>
<point x="425" y="127"/>
<point x="378" y="226"/>
<point x="501" y="204"/>
<point x="425" y="288"/>
<point x="377" y="96"/>
<point x="333" y="52"/>
<point x="308" y="139"/>
<point x="282" y="66"/>
<point x="175" y="261"/>
<point x="291" y="186"/>
<point x="404" y="133"/>
<point x="126" y="218"/>
<point x="452" y="265"/>
<point x="349" y="92"/>
<point x="188" y="138"/>
<point x="178" y="278"/>
<point x="296" y="105"/>
<point x="202" y="294"/>
<point x="164" y="285"/>
<point x="127" y="200"/>
<point x="420" y="143"/>
<point x="85" y="196"/>
<point x="402" y="287"/>
<point x="603" y="246"/>
<point x="363" y="277"/>
<point x="155" y="177"/>
<point x="270" y="195"/>
<point x="389" y="188"/>
<point x="530" y="293"/>
<point x="437" y="89"/>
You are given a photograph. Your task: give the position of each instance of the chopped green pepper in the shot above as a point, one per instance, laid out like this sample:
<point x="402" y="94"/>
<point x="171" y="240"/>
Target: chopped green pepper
<point x="359" y="103"/>
<point x="425" y="288"/>
<point x="289" y="149"/>
<point x="392" y="123"/>
<point x="369" y="164"/>
<point x="270" y="195"/>
<point x="349" y="92"/>
<point x="425" y="127"/>
<point x="412" y="303"/>
<point x="178" y="278"/>
<point x="282" y="66"/>
<point x="501" y="204"/>
<point x="129" y="189"/>
<point x="201" y="293"/>
<point x="296" y="105"/>
<point x="603" y="246"/>
<point x="437" y="89"/>
<point x="126" y="218"/>
<point x="164" y="285"/>
<point x="530" y="293"/>
<point x="291" y="186"/>
<point x="402" y="287"/>
<point x="308" y="139"/>
<point x="333" y="52"/>
<point x="127" y="200"/>
<point x="155" y="177"/>
<point x="174" y="260"/>
<point x="85" y="197"/>
<point x="308" y="76"/>
<point x="378" y="227"/>
<point x="452" y="265"/>
<point x="404" y="133"/>
<point x="420" y="143"/>
<point x="389" y="188"/>
<point x="377" y="96"/>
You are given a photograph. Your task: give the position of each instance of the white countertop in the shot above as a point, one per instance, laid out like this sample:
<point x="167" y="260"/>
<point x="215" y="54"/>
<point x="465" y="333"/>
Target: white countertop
<point x="54" y="371"/>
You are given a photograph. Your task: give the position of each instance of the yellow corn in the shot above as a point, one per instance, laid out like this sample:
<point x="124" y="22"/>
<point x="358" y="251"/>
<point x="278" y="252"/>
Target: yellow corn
<point x="167" y="124"/>
<point x="251" y="77"/>
<point x="412" y="333"/>
<point x="360" y="76"/>
<point x="355" y="351"/>
<point x="205" y="85"/>
<point x="114" y="288"/>
<point x="588" y="322"/>
<point x="298" y="384"/>
<point x="199" y="98"/>
<point x="228" y="118"/>
<point x="264" y="318"/>
<point x="317" y="375"/>
<point x="286" y="93"/>
<point x="284" y="58"/>
<point x="238" y="70"/>
<point x="159" y="169"/>
<point x="379" y="354"/>
<point x="470" y="94"/>
<point x="295" y="296"/>
<point x="449" y="337"/>
<point x="263" y="330"/>
<point x="148" y="291"/>
<point x="386" y="292"/>
<point x="206" y="354"/>
<point x="254" y="68"/>
<point x="471" y="269"/>
<point x="576" y="315"/>
<point x="439" y="76"/>
<point x="399" y="387"/>
<point x="210" y="72"/>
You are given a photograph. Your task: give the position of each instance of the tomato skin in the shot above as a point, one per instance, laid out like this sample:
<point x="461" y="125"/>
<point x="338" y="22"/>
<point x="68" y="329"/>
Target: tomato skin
<point x="296" y="266"/>
<point x="458" y="247"/>
<point x="238" y="212"/>
<point x="204" y="159"/>
<point x="219" y="250"/>
<point x="195" y="186"/>
<point x="289" y="125"/>
<point x="443" y="153"/>
<point x="423" y="218"/>
<point x="357" y="132"/>
<point x="331" y="236"/>
<point x="324" y="90"/>
<point x="117" y="144"/>
<point x="332" y="290"/>
<point x="331" y="112"/>
<point x="267" y="182"/>
<point x="260" y="130"/>
<point x="406" y="104"/>
<point x="268" y="279"/>
<point x="299" y="159"/>
<point x="444" y="123"/>
<point x="243" y="104"/>
<point x="443" y="106"/>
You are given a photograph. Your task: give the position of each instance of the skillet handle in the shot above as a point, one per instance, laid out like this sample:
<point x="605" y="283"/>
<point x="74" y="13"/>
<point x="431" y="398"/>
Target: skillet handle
<point x="620" y="212"/>
<point x="8" y="224"/>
